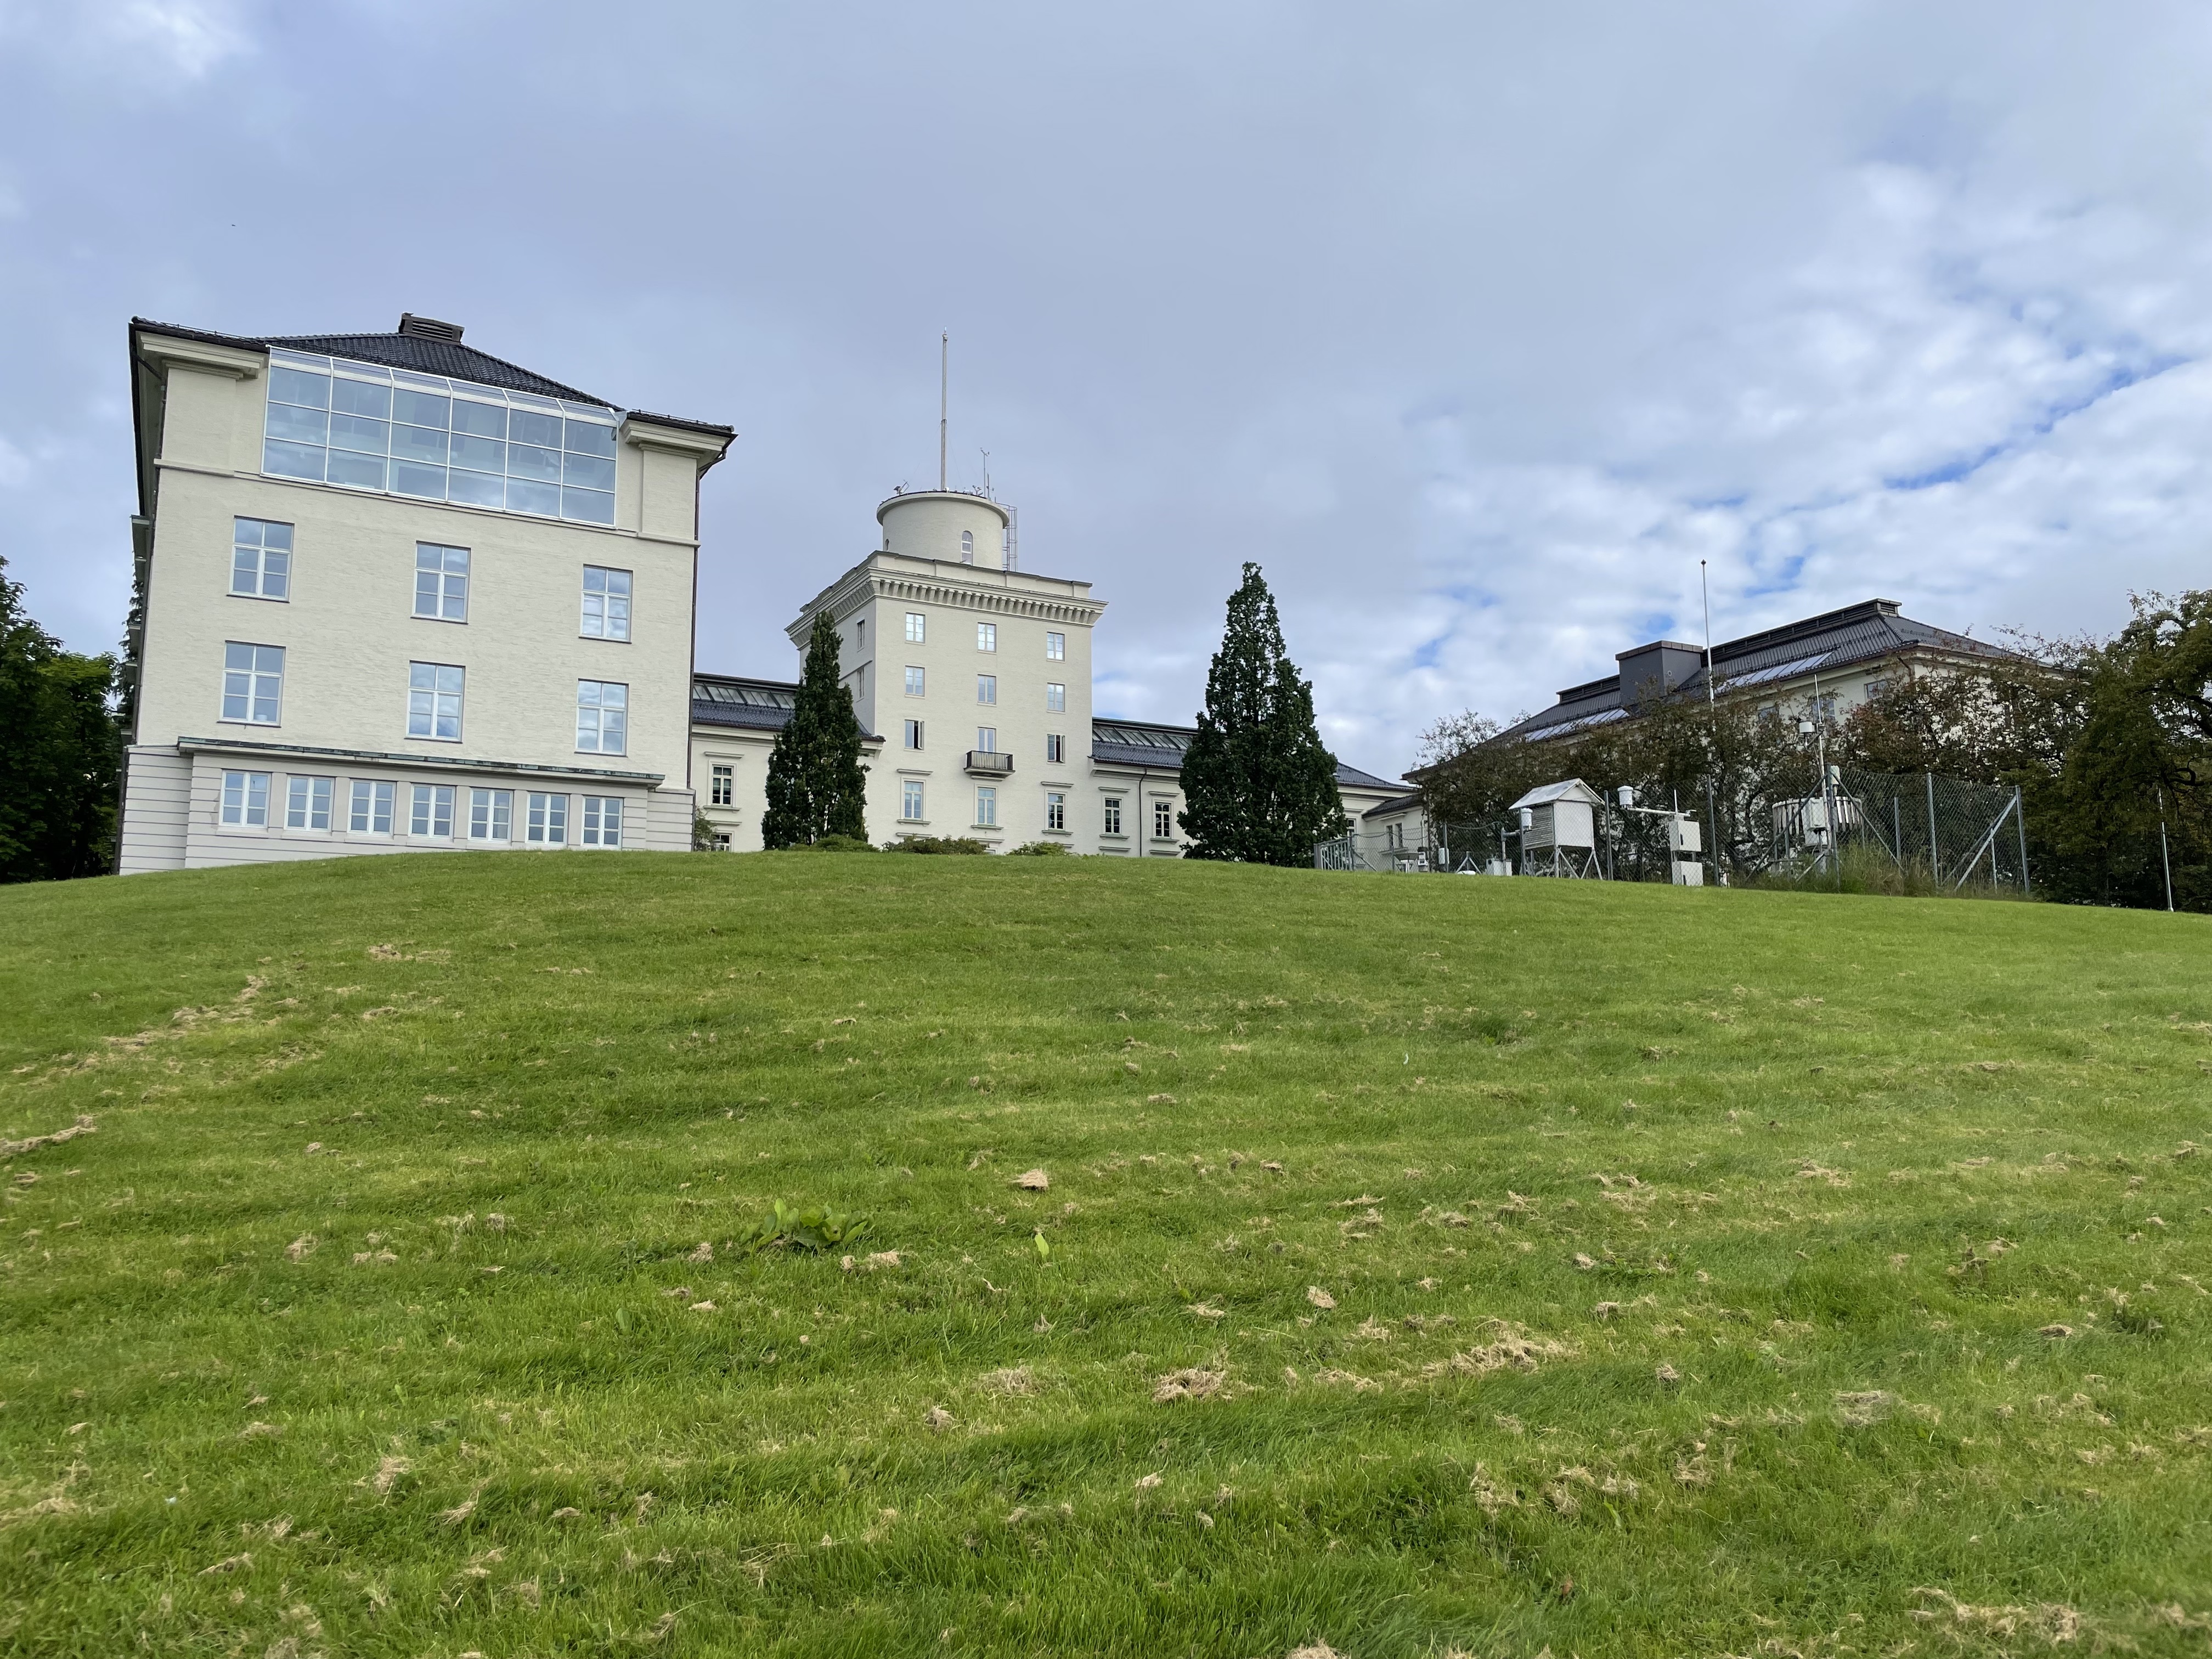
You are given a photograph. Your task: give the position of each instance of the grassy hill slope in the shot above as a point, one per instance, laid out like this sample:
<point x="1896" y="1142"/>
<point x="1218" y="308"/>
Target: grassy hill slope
<point x="1425" y="1264"/>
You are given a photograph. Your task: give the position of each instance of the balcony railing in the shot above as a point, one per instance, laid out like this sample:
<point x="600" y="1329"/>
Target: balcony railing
<point x="990" y="763"/>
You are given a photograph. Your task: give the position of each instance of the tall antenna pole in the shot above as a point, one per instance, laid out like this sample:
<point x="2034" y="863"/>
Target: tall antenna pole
<point x="1705" y="595"/>
<point x="944" y="386"/>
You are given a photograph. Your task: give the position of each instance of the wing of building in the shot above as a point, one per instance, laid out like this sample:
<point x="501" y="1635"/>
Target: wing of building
<point x="1826" y="665"/>
<point x="396" y="594"/>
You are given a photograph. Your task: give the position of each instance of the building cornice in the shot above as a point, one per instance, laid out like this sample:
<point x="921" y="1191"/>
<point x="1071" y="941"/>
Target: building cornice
<point x="170" y="352"/>
<point x="440" y="762"/>
<point x="702" y="449"/>
<point x="926" y="582"/>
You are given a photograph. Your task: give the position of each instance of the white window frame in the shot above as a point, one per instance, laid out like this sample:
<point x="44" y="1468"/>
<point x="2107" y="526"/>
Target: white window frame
<point x="987" y="806"/>
<point x="428" y="695"/>
<point x="430" y="811"/>
<point x="491" y="816"/>
<point x="602" y="717"/>
<point x="917" y="628"/>
<point x="986" y="689"/>
<point x="987" y="636"/>
<point x="722" y="785"/>
<point x="546" y="823"/>
<point x="917" y="681"/>
<point x="606" y="606"/>
<point x="987" y="739"/>
<point x="967" y="547"/>
<point x="260" y="568"/>
<point x="307" y="802"/>
<point x="1056" y="646"/>
<point x="374" y="802"/>
<point x="245" y="801"/>
<point x="445" y="598"/>
<point x="911" y="735"/>
<point x="911" y="800"/>
<point x="1055" y="697"/>
<point x="603" y="821"/>
<point x="252" y="683"/>
<point x="1056" y="809"/>
<point x="1055" y="749"/>
<point x="1111" y="816"/>
<point x="1163" y="820"/>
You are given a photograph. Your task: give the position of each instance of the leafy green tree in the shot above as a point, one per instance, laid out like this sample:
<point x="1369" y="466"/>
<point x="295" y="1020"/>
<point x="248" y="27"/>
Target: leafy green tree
<point x="61" y="752"/>
<point x="1259" y="783"/>
<point x="816" y="786"/>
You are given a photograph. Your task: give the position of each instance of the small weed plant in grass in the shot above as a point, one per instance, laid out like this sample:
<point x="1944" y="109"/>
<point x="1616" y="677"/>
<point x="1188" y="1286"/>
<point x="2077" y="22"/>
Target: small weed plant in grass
<point x="688" y="1255"/>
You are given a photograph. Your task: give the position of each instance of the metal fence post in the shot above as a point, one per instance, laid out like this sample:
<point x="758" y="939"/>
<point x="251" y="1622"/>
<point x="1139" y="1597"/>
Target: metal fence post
<point x="2020" y="824"/>
<point x="1935" y="863"/>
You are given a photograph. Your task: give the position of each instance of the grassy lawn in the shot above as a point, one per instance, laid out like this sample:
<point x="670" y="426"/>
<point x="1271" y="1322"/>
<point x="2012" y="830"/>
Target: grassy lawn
<point x="1424" y="1265"/>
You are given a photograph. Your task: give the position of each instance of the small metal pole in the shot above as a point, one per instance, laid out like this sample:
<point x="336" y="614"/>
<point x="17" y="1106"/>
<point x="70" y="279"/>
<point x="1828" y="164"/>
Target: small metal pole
<point x="1935" y="863"/>
<point x="943" y="396"/>
<point x="2020" y="827"/>
<point x="1897" y="828"/>
<point x="2165" y="859"/>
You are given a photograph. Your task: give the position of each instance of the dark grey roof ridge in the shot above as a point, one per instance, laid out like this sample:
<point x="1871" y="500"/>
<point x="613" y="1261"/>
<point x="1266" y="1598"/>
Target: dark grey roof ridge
<point x="1805" y="627"/>
<point x="716" y="429"/>
<point x="296" y="342"/>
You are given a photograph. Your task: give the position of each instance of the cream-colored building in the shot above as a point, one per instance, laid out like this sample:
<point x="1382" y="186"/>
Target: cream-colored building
<point x="972" y="681"/>
<point x="394" y="594"/>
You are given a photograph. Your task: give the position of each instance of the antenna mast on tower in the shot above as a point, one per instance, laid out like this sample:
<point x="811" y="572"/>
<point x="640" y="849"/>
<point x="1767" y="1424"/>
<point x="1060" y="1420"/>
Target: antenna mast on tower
<point x="944" y="384"/>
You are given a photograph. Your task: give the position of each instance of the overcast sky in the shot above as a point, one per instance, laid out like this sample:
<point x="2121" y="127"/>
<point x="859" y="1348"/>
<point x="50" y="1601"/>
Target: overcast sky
<point x="1478" y="326"/>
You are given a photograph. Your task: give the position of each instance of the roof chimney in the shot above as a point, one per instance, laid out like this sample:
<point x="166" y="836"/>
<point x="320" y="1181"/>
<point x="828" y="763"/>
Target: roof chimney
<point x="429" y="328"/>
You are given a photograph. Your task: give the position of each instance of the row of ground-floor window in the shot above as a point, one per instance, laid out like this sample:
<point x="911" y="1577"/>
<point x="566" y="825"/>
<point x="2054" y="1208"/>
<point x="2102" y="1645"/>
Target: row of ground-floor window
<point x="314" y="805"/>
<point x="914" y="808"/>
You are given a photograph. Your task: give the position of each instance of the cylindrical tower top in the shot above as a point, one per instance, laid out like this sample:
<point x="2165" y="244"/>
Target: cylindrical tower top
<point x="947" y="524"/>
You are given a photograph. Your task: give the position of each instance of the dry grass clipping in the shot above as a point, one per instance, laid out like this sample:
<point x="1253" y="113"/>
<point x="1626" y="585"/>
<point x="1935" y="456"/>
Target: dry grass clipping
<point x="1190" y="1383"/>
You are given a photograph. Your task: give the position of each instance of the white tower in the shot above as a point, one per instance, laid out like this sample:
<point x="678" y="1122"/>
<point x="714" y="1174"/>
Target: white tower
<point x="948" y="525"/>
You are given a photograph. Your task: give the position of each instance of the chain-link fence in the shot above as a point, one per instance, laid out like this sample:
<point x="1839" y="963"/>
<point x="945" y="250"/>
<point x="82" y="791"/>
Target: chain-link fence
<point x="1854" y="830"/>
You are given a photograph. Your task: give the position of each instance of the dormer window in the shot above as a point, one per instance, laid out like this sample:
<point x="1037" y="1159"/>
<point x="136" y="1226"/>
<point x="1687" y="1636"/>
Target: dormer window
<point x="967" y="547"/>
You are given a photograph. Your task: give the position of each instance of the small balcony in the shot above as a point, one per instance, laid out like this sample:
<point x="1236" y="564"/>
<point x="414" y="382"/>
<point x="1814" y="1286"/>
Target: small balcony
<point x="989" y="763"/>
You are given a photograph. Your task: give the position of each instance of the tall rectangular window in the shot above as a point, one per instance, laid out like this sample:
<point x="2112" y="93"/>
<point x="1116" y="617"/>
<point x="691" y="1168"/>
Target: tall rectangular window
<point x="917" y="626"/>
<point x="253" y="682"/>
<point x="308" y="803"/>
<point x="722" y="790"/>
<point x="602" y="820"/>
<point x="606" y="604"/>
<point x="914" y="681"/>
<point x="491" y="813"/>
<point x="987" y="739"/>
<point x="987" y="687"/>
<point x="433" y="700"/>
<point x="602" y="717"/>
<point x="1112" y="815"/>
<point x="1055" y="749"/>
<point x="1055" y="809"/>
<point x="431" y="812"/>
<point x="914" y="734"/>
<point x="1056" y="646"/>
<point x="910" y="800"/>
<point x="441" y="583"/>
<point x="372" y="808"/>
<point x="261" y="559"/>
<point x="1163" y="820"/>
<point x="548" y="822"/>
<point x="246" y="799"/>
<point x="987" y="636"/>
<point x="986" y="807"/>
<point x="1055" y="698"/>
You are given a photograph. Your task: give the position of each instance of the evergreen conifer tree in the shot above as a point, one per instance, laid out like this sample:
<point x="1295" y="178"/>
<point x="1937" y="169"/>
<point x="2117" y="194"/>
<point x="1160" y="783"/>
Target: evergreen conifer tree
<point x="1261" y="784"/>
<point x="816" y="786"/>
<point x="61" y="752"/>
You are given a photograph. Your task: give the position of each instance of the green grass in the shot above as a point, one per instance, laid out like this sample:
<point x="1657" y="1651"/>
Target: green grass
<point x="1661" y="1229"/>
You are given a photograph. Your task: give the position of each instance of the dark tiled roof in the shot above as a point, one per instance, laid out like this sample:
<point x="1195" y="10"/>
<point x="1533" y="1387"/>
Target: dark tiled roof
<point x="1141" y="743"/>
<point x="422" y="353"/>
<point x="1834" y="639"/>
<point x="677" y="421"/>
<point x="1396" y="804"/>
<point x="754" y="705"/>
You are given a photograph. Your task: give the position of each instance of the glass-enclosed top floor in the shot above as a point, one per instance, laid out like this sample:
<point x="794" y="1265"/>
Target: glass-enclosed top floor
<point x="366" y="427"/>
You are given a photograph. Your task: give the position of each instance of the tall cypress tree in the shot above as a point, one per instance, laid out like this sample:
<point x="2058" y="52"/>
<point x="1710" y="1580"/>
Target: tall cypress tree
<point x="816" y="786"/>
<point x="1261" y="784"/>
